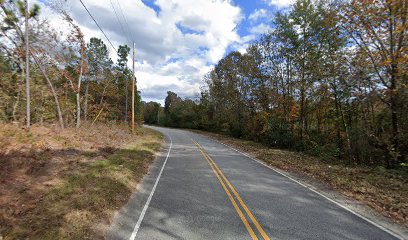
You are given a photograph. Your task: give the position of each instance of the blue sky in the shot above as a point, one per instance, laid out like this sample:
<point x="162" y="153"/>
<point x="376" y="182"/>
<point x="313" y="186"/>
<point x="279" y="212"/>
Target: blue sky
<point x="177" y="41"/>
<point x="248" y="8"/>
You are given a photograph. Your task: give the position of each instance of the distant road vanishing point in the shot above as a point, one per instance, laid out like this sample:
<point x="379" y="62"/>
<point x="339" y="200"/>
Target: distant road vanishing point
<point x="201" y="189"/>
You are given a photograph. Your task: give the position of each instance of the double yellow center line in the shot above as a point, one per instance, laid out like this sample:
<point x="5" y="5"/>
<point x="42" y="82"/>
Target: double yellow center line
<point x="228" y="188"/>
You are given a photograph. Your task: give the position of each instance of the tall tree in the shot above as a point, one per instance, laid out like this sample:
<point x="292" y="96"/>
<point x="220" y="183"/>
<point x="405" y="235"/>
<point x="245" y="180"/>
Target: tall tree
<point x="16" y="14"/>
<point x="99" y="62"/>
<point x="77" y="52"/>
<point x="379" y="29"/>
<point x="125" y="75"/>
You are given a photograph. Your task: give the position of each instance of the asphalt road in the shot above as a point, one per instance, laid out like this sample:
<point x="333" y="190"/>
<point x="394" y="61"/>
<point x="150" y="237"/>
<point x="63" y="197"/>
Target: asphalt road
<point x="201" y="189"/>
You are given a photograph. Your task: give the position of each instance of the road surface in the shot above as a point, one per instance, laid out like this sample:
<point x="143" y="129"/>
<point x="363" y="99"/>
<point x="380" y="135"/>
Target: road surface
<point x="201" y="189"/>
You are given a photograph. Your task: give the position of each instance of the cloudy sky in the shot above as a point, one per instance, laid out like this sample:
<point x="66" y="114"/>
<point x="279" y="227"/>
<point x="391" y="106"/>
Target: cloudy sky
<point x="177" y="41"/>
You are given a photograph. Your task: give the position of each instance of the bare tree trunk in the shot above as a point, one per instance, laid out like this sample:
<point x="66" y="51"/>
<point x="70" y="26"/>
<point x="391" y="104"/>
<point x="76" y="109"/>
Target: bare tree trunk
<point x="302" y="108"/>
<point x="126" y="105"/>
<point x="340" y="117"/>
<point x="394" y="99"/>
<point x="27" y="67"/>
<point x="54" y="94"/>
<point x="336" y="103"/>
<point x="347" y="131"/>
<point x="20" y="90"/>
<point x="303" y="88"/>
<point x="101" y="103"/>
<point x="42" y="109"/>
<point x="78" y="98"/>
<point x="86" y="100"/>
<point x="15" y="106"/>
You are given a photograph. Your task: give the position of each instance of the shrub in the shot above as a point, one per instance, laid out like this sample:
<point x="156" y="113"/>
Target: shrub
<point x="277" y="134"/>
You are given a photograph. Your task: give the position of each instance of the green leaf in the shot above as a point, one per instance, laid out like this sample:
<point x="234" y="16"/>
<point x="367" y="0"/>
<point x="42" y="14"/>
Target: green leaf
<point x="21" y="7"/>
<point x="35" y="11"/>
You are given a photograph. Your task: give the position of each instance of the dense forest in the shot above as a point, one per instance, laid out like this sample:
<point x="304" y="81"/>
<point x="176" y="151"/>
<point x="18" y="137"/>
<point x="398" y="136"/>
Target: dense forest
<point x="72" y="79"/>
<point x="330" y="79"/>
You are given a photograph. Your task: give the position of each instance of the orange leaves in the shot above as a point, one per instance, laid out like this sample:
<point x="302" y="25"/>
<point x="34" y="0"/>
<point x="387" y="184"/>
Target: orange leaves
<point x="258" y="124"/>
<point x="294" y="111"/>
<point x="385" y="62"/>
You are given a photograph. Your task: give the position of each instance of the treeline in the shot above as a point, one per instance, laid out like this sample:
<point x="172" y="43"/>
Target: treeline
<point x="71" y="79"/>
<point x="329" y="79"/>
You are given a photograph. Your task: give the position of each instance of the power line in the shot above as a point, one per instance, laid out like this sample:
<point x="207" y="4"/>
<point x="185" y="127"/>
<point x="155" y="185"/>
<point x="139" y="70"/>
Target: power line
<point x="129" y="33"/>
<point x="120" y="23"/>
<point x="98" y="25"/>
<point x="127" y="24"/>
<point x="131" y="36"/>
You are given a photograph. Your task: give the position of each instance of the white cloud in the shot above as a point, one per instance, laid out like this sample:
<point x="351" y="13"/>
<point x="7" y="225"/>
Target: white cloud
<point x="258" y="14"/>
<point x="175" y="46"/>
<point x="260" y="29"/>
<point x="279" y="3"/>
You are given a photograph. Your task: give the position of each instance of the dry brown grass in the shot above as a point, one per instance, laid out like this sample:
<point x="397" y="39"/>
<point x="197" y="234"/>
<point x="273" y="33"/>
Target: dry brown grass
<point x="385" y="190"/>
<point x="67" y="183"/>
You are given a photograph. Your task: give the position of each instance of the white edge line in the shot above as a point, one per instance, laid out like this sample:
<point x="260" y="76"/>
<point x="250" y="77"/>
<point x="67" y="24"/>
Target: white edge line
<point x="318" y="193"/>
<point x="142" y="214"/>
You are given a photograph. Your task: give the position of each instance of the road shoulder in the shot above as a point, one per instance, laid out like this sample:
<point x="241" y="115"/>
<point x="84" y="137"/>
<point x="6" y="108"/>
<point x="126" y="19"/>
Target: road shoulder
<point x="127" y="217"/>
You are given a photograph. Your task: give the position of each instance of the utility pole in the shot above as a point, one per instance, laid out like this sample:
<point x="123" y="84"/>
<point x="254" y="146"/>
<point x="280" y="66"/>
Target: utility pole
<point x="133" y="89"/>
<point x="27" y="73"/>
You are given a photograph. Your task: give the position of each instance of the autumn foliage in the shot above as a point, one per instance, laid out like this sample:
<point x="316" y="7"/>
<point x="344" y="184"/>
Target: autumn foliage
<point x="329" y="79"/>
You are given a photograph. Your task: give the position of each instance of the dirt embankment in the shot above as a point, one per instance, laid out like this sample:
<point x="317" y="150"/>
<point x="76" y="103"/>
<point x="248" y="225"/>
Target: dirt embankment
<point x="67" y="183"/>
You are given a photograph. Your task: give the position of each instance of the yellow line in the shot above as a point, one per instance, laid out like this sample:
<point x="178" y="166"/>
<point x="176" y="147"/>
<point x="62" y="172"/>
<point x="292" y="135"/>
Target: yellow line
<point x="244" y="206"/>
<point x="234" y="203"/>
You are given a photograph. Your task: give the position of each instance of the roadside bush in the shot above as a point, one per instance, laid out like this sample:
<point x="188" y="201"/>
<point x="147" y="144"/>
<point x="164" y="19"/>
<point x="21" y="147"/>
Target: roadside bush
<point x="235" y="129"/>
<point x="277" y="134"/>
<point x="327" y="152"/>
